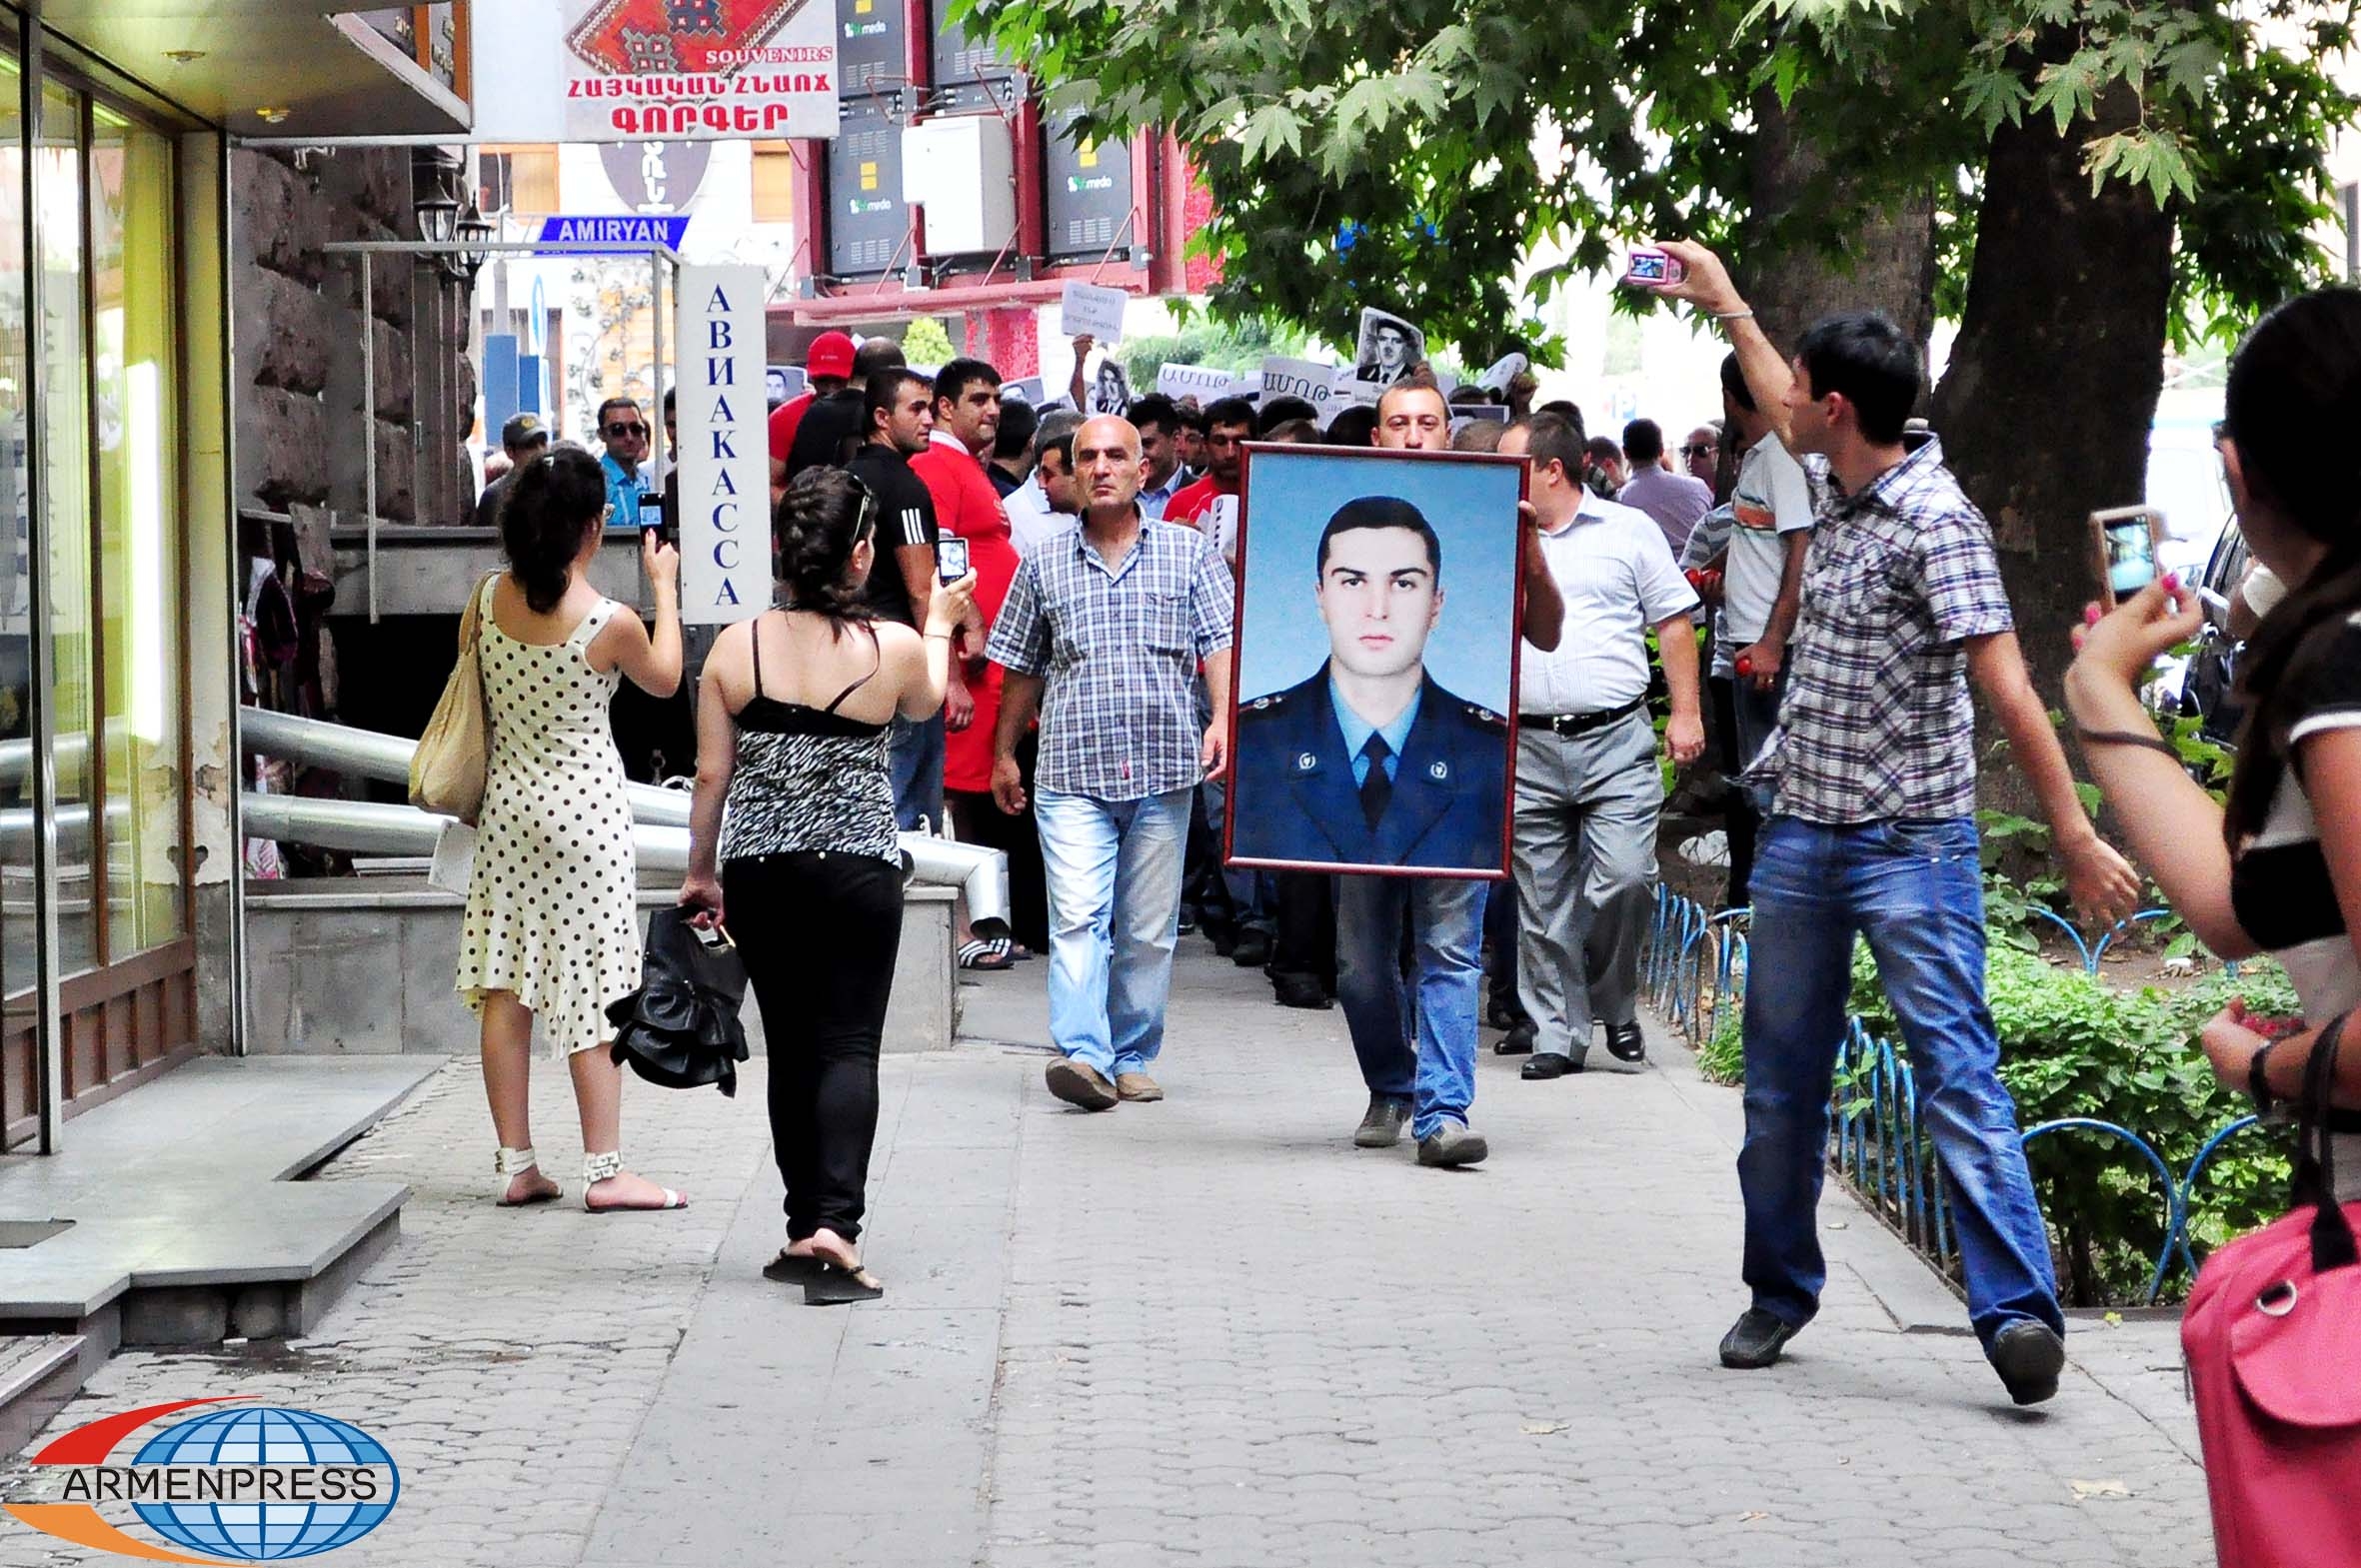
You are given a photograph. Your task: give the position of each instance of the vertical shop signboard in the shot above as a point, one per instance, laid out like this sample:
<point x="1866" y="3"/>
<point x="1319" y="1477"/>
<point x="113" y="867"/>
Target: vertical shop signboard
<point x="723" y="473"/>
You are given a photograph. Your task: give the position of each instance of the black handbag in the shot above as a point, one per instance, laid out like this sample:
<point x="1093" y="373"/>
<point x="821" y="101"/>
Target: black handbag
<point x="680" y="1027"/>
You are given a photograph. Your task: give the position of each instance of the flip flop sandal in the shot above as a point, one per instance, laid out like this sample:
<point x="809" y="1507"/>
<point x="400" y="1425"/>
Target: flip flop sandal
<point x="794" y="1268"/>
<point x="842" y="1287"/>
<point x="980" y="955"/>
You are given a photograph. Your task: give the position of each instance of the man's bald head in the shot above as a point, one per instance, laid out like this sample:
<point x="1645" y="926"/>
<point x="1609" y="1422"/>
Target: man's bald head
<point x="1106" y="467"/>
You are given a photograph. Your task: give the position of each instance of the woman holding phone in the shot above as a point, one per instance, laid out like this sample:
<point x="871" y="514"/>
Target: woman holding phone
<point x="2278" y="870"/>
<point x="792" y="721"/>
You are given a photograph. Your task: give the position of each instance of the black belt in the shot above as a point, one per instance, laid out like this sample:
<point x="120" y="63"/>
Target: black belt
<point x="1581" y="723"/>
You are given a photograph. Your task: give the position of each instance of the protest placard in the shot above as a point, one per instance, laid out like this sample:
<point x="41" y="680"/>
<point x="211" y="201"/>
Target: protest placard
<point x="1088" y="309"/>
<point x="1309" y="380"/>
<point x="1203" y="383"/>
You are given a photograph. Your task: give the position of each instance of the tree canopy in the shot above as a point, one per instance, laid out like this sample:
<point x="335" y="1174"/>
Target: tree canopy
<point x="1414" y="154"/>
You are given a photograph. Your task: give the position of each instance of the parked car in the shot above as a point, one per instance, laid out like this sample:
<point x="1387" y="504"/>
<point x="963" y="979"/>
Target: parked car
<point x="2209" y="677"/>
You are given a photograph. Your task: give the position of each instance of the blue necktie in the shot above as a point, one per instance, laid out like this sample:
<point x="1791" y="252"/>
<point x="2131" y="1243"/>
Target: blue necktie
<point x="1376" y="787"/>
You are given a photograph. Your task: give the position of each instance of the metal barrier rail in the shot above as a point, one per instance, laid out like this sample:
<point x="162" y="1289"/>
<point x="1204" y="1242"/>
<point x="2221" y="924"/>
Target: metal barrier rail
<point x="659" y="818"/>
<point x="1878" y="1143"/>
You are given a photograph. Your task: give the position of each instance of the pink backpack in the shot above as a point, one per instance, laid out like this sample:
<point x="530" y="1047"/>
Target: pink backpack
<point x="2273" y="1341"/>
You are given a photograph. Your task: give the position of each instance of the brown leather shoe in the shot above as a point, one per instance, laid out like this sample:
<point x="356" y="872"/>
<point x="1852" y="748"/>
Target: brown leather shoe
<point x="1137" y="1086"/>
<point x="1080" y="1084"/>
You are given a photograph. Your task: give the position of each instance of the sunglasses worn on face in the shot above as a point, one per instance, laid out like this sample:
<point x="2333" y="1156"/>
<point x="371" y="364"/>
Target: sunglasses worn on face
<point x="1696" y="452"/>
<point x="627" y="430"/>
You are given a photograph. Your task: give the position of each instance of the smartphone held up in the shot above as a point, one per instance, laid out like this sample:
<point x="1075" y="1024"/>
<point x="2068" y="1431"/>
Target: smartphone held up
<point x="2128" y="544"/>
<point x="1650" y="268"/>
<point x="951" y="560"/>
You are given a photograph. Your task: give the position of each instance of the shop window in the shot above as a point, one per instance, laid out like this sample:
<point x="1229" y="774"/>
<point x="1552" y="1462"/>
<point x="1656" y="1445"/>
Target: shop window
<point x="517" y="179"/>
<point x="65" y="513"/>
<point x="774" y="182"/>
<point x="141" y="658"/>
<point x="18" y="887"/>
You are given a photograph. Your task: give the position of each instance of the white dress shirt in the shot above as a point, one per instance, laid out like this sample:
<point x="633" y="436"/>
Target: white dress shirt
<point x="1030" y="521"/>
<point x="1617" y="578"/>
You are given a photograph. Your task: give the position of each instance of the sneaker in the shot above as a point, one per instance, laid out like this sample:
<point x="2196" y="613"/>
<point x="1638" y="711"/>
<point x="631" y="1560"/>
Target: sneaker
<point x="2029" y="1356"/>
<point x="1453" y="1143"/>
<point x="1382" y="1127"/>
<point x="1138" y="1087"/>
<point x="1755" y="1340"/>
<point x="1080" y="1084"/>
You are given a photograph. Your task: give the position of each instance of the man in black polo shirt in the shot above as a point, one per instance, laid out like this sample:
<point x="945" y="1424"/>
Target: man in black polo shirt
<point x="898" y="417"/>
<point x="838" y="424"/>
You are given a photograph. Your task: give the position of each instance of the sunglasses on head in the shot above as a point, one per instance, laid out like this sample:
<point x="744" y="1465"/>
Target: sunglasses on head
<point x="627" y="430"/>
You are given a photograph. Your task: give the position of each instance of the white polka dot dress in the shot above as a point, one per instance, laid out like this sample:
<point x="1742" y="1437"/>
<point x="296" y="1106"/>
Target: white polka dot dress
<point x="549" y="909"/>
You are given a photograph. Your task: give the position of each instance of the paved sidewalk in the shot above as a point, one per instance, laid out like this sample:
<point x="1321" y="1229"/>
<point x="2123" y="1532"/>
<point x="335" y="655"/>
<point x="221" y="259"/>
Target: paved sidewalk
<point x="1206" y="1332"/>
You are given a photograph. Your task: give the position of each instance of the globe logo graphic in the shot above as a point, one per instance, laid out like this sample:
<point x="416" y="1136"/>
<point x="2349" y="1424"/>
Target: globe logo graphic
<point x="265" y="1531"/>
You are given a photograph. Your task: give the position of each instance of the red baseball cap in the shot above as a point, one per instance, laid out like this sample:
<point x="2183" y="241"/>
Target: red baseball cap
<point x="831" y="355"/>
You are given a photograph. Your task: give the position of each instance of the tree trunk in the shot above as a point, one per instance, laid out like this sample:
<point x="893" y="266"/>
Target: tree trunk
<point x="2045" y="409"/>
<point x="1885" y="264"/>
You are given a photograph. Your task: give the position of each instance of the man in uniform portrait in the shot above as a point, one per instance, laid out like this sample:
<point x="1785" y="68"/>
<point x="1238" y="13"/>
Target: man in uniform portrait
<point x="1369" y="762"/>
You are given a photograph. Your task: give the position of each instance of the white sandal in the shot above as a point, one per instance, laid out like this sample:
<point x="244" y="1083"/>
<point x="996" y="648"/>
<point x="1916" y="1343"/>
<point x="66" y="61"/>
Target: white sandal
<point x="509" y="1164"/>
<point x="601" y="1168"/>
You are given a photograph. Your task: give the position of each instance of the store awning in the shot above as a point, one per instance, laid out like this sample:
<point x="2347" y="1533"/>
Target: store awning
<point x="267" y="67"/>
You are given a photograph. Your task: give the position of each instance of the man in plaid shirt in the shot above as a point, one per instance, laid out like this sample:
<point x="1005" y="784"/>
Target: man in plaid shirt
<point x="1872" y="833"/>
<point x="1102" y="633"/>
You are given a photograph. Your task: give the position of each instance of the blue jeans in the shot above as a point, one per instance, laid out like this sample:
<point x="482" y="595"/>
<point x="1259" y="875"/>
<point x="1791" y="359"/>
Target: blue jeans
<point x="1913" y="888"/>
<point x="1114" y="869"/>
<point x="1433" y="1070"/>
<point x="913" y="761"/>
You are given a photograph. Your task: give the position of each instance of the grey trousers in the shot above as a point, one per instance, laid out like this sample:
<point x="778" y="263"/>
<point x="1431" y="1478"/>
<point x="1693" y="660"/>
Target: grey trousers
<point x="1586" y="842"/>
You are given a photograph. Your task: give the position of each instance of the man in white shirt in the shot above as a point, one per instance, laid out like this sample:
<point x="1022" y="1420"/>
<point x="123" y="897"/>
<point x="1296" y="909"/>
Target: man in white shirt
<point x="1048" y="503"/>
<point x="1587" y="786"/>
<point x="1761" y="585"/>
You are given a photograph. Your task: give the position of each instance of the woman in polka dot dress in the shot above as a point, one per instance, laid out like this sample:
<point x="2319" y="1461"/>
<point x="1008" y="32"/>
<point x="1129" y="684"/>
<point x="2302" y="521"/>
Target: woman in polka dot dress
<point x="551" y="930"/>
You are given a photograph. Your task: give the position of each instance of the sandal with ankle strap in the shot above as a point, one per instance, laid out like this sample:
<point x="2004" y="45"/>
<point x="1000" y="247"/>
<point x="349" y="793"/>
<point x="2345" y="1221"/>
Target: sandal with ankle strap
<point x="601" y="1168"/>
<point x="509" y="1164"/>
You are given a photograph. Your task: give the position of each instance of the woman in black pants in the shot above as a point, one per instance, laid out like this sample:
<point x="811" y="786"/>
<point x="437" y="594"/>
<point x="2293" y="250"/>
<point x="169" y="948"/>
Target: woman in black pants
<point x="793" y="711"/>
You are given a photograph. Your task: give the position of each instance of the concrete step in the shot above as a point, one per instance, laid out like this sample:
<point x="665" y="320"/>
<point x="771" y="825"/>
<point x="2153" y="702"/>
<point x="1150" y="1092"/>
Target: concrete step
<point x="184" y="1221"/>
<point x="38" y="1374"/>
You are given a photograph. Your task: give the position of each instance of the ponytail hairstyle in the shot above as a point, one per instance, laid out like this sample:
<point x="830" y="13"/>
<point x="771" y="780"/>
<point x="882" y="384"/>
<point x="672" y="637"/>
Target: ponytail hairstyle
<point x="824" y="516"/>
<point x="555" y="501"/>
<point x="2294" y="387"/>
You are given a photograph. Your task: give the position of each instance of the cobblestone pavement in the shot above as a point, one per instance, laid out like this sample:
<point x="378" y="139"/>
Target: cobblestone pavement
<point x="1206" y="1332"/>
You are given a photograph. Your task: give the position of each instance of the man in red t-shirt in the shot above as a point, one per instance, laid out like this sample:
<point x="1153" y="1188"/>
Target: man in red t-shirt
<point x="1211" y="505"/>
<point x="827" y="368"/>
<point x="967" y="423"/>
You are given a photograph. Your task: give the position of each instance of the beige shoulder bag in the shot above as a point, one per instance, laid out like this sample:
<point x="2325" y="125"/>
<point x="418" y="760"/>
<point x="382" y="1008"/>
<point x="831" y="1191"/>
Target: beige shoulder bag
<point x="448" y="768"/>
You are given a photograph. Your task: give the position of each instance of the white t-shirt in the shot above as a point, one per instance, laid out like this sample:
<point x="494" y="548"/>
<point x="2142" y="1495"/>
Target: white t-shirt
<point x="1771" y="500"/>
<point x="1617" y="578"/>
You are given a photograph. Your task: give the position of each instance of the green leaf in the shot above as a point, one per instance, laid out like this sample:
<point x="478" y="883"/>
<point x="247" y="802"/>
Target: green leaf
<point x="1269" y="128"/>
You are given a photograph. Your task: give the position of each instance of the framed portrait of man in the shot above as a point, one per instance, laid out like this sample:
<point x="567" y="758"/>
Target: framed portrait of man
<point x="1379" y="604"/>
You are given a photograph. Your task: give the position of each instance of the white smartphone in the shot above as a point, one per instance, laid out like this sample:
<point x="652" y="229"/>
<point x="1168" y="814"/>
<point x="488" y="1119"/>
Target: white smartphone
<point x="951" y="558"/>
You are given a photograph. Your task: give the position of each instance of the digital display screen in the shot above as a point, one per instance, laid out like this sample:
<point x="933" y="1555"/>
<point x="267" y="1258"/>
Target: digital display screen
<point x="951" y="559"/>
<point x="1647" y="267"/>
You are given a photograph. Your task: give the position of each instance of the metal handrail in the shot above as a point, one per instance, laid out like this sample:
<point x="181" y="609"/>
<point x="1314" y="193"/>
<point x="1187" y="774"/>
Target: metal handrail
<point x="659" y="818"/>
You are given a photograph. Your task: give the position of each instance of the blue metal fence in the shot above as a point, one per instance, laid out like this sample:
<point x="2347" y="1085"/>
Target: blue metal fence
<point x="1694" y="971"/>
